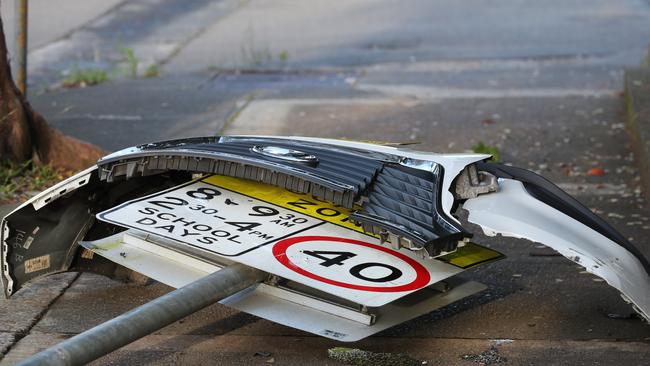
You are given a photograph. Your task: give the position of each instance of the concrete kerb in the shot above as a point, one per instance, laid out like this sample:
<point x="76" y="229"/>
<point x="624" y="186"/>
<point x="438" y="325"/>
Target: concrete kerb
<point x="637" y="109"/>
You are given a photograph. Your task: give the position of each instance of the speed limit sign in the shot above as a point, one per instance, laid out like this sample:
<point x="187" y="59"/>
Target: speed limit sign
<point x="351" y="264"/>
<point x="290" y="235"/>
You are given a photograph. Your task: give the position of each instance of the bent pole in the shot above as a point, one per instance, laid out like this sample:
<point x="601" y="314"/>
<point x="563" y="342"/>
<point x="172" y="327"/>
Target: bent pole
<point x="146" y="319"/>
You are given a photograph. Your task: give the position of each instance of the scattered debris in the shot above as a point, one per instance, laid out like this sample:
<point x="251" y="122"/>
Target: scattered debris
<point x="500" y="342"/>
<point x="488" y="357"/>
<point x="595" y="172"/>
<point x="615" y="215"/>
<point x="357" y="357"/>
<point x="597" y="111"/>
<point x="350" y="80"/>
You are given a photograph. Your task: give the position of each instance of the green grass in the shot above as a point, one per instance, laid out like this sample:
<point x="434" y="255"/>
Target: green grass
<point x="482" y="148"/>
<point x="128" y="56"/>
<point x="283" y="56"/>
<point x="255" y="57"/>
<point x="152" y="71"/>
<point x="21" y="181"/>
<point x="252" y="55"/>
<point x="87" y="77"/>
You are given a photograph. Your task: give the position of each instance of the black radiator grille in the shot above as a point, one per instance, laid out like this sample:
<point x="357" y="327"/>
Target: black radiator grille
<point x="338" y="176"/>
<point x="405" y="202"/>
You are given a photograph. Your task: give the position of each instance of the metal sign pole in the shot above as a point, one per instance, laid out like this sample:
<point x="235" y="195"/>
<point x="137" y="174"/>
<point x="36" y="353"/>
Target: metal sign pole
<point x="146" y="319"/>
<point x="21" y="45"/>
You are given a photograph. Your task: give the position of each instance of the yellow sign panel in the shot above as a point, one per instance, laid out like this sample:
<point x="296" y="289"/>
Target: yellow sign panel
<point x="464" y="257"/>
<point x="471" y="255"/>
<point x="303" y="203"/>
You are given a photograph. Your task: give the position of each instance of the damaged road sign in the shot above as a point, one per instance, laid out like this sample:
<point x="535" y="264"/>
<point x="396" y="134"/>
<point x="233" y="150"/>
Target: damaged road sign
<point x="289" y="235"/>
<point x="347" y="232"/>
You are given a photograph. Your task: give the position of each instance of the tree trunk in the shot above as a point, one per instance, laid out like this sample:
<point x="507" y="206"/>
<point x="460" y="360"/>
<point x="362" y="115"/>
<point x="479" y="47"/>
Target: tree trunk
<point x="25" y="135"/>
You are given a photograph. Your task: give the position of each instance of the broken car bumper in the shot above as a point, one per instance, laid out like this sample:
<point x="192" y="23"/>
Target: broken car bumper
<point x="389" y="198"/>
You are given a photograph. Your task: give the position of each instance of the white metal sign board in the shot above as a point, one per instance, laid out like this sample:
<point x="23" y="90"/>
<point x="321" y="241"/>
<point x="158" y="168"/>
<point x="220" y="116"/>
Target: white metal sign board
<point x="287" y="234"/>
<point x="143" y="253"/>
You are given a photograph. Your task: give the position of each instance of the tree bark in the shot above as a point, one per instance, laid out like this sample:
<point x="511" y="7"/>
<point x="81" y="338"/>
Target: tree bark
<point x="25" y="135"/>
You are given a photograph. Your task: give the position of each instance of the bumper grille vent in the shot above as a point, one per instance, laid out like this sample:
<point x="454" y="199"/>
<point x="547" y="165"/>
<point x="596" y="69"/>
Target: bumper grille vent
<point x="401" y="208"/>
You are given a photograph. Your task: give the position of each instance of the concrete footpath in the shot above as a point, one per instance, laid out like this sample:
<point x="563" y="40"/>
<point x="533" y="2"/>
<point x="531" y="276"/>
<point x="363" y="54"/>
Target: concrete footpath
<point x="543" y="85"/>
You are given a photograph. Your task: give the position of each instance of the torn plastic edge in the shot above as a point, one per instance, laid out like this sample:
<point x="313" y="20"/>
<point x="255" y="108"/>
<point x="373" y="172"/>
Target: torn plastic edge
<point x="544" y="190"/>
<point x="514" y="212"/>
<point x="42" y="199"/>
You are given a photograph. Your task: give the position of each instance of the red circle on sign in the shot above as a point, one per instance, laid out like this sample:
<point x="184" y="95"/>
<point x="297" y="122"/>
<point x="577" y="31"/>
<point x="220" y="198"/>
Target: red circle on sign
<point x="422" y="277"/>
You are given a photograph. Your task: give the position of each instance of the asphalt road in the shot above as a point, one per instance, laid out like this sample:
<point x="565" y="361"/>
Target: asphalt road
<point x="540" y="81"/>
